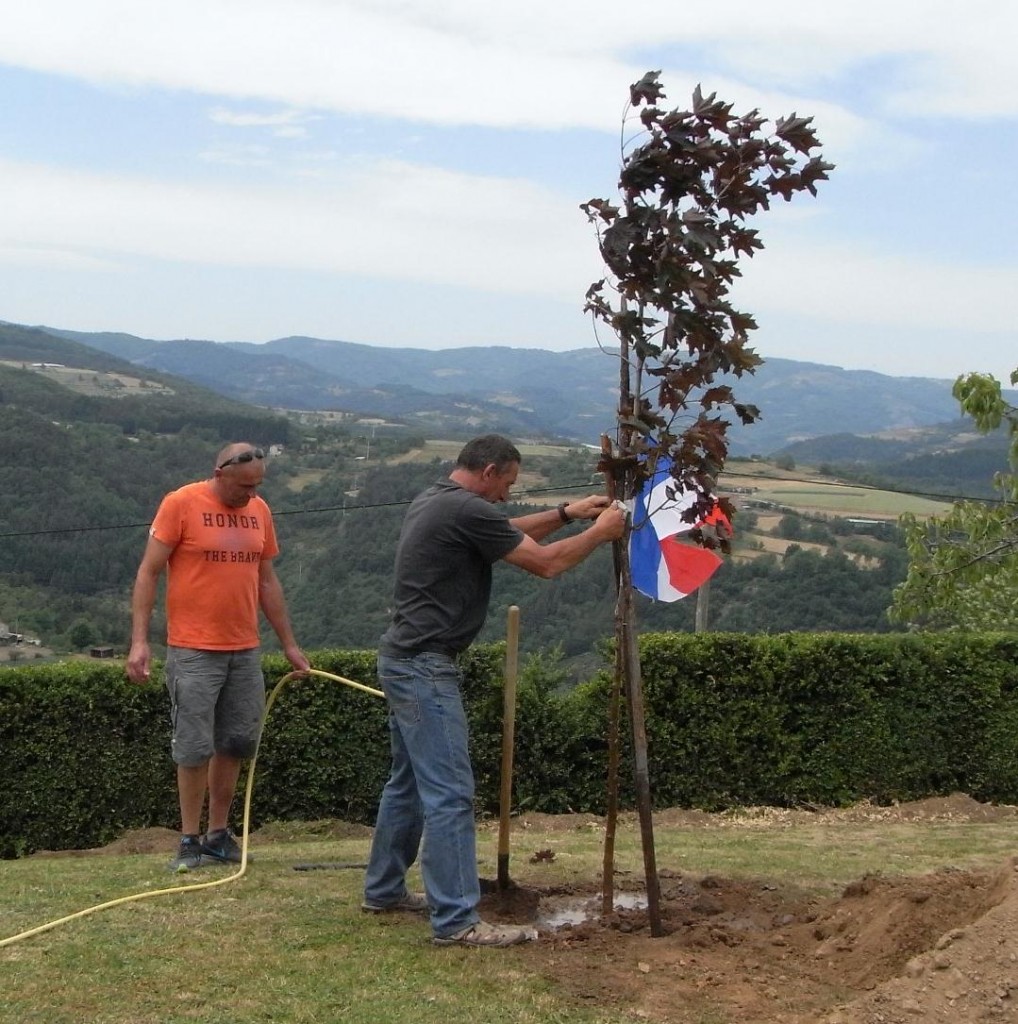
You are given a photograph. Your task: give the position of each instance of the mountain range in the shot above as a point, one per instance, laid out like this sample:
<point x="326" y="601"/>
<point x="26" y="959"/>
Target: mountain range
<point x="527" y="393"/>
<point x="93" y="438"/>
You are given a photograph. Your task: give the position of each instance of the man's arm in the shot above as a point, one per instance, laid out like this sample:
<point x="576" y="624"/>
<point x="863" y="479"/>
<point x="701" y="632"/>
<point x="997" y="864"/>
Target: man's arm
<point x="550" y="560"/>
<point x="273" y="604"/>
<point x="539" y="525"/>
<point x="143" y="599"/>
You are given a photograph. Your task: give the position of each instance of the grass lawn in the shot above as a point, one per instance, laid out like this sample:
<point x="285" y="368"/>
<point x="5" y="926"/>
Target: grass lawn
<point x="277" y="945"/>
<point x="292" y="946"/>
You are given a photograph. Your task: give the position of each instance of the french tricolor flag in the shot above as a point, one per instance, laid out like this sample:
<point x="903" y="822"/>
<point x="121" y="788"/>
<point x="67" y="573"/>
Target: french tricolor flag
<point x="662" y="566"/>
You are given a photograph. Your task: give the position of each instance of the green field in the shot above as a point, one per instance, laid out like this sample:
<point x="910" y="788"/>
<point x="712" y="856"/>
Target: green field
<point x="843" y="499"/>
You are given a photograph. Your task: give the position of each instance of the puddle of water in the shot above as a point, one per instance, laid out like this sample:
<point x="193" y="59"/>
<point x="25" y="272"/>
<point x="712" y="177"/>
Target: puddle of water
<point x="558" y="911"/>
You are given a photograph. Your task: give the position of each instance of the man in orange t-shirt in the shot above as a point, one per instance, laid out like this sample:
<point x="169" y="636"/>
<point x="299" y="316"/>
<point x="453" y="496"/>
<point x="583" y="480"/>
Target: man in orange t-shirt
<point x="216" y="540"/>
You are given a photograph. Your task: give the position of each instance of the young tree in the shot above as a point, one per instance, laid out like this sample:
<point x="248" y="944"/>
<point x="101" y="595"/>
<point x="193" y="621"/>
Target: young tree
<point x="963" y="566"/>
<point x="671" y="246"/>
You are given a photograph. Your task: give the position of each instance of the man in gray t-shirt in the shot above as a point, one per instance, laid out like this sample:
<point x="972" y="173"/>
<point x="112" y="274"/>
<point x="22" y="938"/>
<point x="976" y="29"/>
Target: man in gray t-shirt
<point x="449" y="540"/>
<point x="452" y="535"/>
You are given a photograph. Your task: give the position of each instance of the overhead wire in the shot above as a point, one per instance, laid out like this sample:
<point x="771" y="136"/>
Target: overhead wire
<point x="556" y="489"/>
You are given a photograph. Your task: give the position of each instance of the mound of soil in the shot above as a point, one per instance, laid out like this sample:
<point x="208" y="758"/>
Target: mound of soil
<point x="141" y="840"/>
<point x="939" y="947"/>
<point x="934" y="948"/>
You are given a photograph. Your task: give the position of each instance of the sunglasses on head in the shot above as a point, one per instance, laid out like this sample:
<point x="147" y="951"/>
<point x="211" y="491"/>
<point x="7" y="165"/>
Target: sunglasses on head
<point x="248" y="456"/>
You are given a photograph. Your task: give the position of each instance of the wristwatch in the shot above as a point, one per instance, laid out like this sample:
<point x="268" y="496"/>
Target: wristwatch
<point x="563" y="514"/>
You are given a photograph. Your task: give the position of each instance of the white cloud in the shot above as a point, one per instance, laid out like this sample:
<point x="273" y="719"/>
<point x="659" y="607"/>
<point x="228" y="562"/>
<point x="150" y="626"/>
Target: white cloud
<point x="853" y="285"/>
<point x="393" y="220"/>
<point x="53" y="258"/>
<point x="248" y="119"/>
<point x="399" y="220"/>
<point x="529" y="64"/>
<point x="339" y="56"/>
<point x="888" y="83"/>
<point x="283" y="124"/>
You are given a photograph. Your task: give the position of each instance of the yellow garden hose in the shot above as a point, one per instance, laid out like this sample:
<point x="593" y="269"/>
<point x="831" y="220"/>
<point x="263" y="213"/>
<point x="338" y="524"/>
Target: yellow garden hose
<point x="247" y="818"/>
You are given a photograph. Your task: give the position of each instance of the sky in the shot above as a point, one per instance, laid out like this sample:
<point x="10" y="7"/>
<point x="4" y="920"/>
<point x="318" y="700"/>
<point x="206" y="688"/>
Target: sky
<point x="401" y="173"/>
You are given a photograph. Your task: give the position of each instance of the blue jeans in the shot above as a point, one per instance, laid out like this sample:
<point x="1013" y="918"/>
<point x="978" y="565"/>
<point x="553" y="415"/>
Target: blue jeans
<point x="429" y="794"/>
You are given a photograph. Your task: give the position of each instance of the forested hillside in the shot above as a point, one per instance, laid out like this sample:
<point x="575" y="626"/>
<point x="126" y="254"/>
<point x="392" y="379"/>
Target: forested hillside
<point x="80" y="469"/>
<point x="89" y="451"/>
<point x="948" y="458"/>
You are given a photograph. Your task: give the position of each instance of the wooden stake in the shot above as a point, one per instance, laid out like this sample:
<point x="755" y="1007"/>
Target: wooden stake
<point x="626" y="636"/>
<point x="614" y="715"/>
<point x="512" y="648"/>
<point x="702" y="607"/>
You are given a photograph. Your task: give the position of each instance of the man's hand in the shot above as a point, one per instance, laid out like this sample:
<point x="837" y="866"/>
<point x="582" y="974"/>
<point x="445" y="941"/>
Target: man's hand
<point x="296" y="657"/>
<point x="587" y="508"/>
<point x="611" y="523"/>
<point x="139" y="662"/>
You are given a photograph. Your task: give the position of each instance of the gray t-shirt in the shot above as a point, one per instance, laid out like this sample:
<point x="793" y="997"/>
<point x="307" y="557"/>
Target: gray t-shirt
<point x="449" y="541"/>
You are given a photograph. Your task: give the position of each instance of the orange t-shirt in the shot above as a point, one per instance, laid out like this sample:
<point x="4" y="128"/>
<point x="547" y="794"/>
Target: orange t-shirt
<point x="212" y="574"/>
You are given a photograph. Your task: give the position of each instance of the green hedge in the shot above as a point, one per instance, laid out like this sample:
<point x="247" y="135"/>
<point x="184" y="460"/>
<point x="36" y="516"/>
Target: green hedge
<point x="732" y="719"/>
<point x="830" y="719"/>
<point x="84" y="756"/>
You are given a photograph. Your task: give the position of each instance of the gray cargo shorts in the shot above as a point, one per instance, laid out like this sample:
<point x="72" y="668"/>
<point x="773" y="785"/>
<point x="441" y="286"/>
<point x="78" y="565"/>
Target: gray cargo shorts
<point x="217" y="700"/>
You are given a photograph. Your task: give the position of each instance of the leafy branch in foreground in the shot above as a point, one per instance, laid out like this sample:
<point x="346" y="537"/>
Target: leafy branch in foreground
<point x="963" y="566"/>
